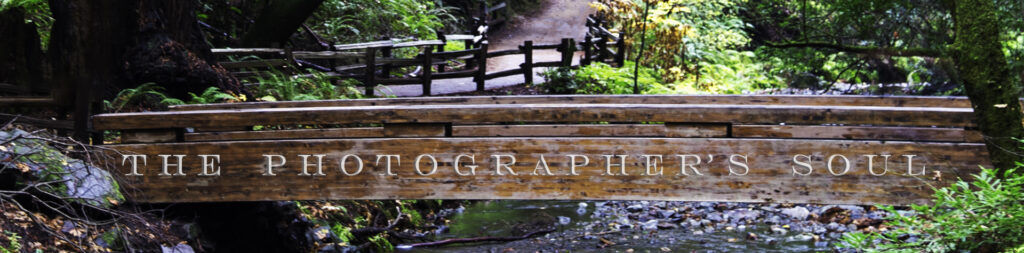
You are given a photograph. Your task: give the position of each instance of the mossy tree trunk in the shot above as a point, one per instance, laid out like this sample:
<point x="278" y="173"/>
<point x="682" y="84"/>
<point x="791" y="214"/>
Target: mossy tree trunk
<point x="983" y="70"/>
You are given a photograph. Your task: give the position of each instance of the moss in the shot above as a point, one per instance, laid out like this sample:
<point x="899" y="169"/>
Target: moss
<point x="381" y="244"/>
<point x="113" y="239"/>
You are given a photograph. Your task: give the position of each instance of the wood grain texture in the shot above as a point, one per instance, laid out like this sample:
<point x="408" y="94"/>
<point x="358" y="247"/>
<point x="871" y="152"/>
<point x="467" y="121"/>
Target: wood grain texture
<point x="321" y="133"/>
<point x="858" y="133"/>
<point x="893" y="101"/>
<point x="149" y="136"/>
<point x="770" y="177"/>
<point x="545" y="113"/>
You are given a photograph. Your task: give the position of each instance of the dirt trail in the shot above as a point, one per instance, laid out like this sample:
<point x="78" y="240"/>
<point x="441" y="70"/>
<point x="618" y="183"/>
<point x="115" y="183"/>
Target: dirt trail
<point x="557" y="19"/>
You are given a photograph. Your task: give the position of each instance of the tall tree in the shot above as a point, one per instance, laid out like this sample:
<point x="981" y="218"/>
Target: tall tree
<point x="278" y="20"/>
<point x="983" y="71"/>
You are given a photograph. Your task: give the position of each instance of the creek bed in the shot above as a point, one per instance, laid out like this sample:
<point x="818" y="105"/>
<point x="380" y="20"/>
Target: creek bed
<point x="655" y="226"/>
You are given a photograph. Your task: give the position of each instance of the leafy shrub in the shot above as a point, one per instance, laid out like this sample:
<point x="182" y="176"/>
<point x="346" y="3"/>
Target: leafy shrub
<point x="986" y="214"/>
<point x="367" y="20"/>
<point x="146" y="95"/>
<point x="278" y="86"/>
<point x="214" y="95"/>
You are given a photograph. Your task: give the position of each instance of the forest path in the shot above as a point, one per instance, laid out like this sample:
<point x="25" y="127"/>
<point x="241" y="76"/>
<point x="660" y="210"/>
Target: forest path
<point x="556" y="19"/>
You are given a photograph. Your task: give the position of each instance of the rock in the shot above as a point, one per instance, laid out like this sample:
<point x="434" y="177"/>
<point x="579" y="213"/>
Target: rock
<point x="797" y="213"/>
<point x="582" y="204"/>
<point x="83" y="182"/>
<point x="778" y="230"/>
<point x="771" y="241"/>
<point x="180" y="248"/>
<point x="820" y="244"/>
<point x="635" y="208"/>
<point x="714" y="217"/>
<point x="741" y="228"/>
<point x="692" y="222"/>
<point x="320" y="234"/>
<point x="666" y="213"/>
<point x="666" y="225"/>
<point x="832" y="226"/>
<point x="67" y="226"/>
<point x="751" y="236"/>
<point x="802" y="237"/>
<point x="581" y="210"/>
<point x="698" y="232"/>
<point x="564" y="220"/>
<point x="649" y="225"/>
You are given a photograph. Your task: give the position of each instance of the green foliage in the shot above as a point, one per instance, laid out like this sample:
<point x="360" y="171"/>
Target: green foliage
<point x="984" y="213"/>
<point x="731" y="72"/>
<point x="381" y="244"/>
<point x="13" y="244"/>
<point x="278" y="86"/>
<point x="214" y="95"/>
<point x="368" y="20"/>
<point x="344" y="233"/>
<point x="146" y="95"/>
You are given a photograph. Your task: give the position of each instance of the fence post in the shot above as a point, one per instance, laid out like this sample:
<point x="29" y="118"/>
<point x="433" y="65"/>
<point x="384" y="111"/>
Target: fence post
<point x="620" y="49"/>
<point x="588" y="50"/>
<point x="440" y="48"/>
<point x="385" y="52"/>
<point x="527" y="65"/>
<point x="371" y="70"/>
<point x="568" y="50"/>
<point x="481" y="68"/>
<point x="469" y="62"/>
<point x="602" y="47"/>
<point x="427" y="65"/>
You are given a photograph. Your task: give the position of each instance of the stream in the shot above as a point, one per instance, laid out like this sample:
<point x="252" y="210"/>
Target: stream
<point x="655" y="226"/>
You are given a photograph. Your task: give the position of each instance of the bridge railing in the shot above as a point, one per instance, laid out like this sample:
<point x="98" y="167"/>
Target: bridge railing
<point x="372" y="62"/>
<point x="797" y="149"/>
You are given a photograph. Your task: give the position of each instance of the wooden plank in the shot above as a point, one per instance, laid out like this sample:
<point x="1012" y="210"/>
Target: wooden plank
<point x="27" y="101"/>
<point x="546" y="113"/>
<point x="496" y="7"/>
<point x="858" y="133"/>
<point x="504" y="53"/>
<point x="770" y="174"/>
<point x="149" y="136"/>
<point x="693" y="130"/>
<point x="326" y="55"/>
<point x="43" y="123"/>
<point x="454" y="54"/>
<point x="548" y="64"/>
<point x="590" y="130"/>
<point x="503" y="73"/>
<point x="414" y="130"/>
<point x="400" y="81"/>
<point x="365" y="45"/>
<point x="255" y="64"/>
<point x="841" y="100"/>
<point x="546" y="46"/>
<point x="318" y="133"/>
<point x="419" y="43"/>
<point x="451" y="37"/>
<point x="226" y="51"/>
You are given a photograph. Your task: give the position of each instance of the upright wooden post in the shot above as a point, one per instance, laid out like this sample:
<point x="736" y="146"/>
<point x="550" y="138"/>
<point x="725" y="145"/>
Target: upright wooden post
<point x="481" y="68"/>
<point x="371" y="71"/>
<point x="83" y="99"/>
<point x="427" y="65"/>
<point x="620" y="50"/>
<point x="588" y="51"/>
<point x="440" y="49"/>
<point x="568" y="49"/>
<point x="602" y="48"/>
<point x="469" y="62"/>
<point x="527" y="65"/>
<point x="385" y="52"/>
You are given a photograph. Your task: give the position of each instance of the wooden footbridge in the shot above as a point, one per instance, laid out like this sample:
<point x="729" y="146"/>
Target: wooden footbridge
<point x="817" y="149"/>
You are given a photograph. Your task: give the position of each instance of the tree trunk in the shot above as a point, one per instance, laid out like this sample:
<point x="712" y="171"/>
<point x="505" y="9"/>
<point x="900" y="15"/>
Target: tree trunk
<point x="278" y="21"/>
<point x="20" y="54"/>
<point x="983" y="70"/>
<point x="102" y="47"/>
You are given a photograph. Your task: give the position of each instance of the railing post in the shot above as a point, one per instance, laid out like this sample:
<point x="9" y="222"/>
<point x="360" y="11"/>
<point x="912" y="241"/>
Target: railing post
<point x="568" y="50"/>
<point x="427" y="64"/>
<point x="371" y="71"/>
<point x="620" y="49"/>
<point x="527" y="65"/>
<point x="440" y="48"/>
<point x="481" y="68"/>
<point x="588" y="50"/>
<point x="469" y="62"/>
<point x="386" y="53"/>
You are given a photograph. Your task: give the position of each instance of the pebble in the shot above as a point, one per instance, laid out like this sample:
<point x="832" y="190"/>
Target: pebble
<point x="797" y="213"/>
<point x="751" y="236"/>
<point x="564" y="220"/>
<point x="650" y="225"/>
<point x="634" y="208"/>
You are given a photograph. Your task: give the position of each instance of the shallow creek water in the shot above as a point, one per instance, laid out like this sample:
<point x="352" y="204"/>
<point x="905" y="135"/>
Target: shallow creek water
<point x="598" y="226"/>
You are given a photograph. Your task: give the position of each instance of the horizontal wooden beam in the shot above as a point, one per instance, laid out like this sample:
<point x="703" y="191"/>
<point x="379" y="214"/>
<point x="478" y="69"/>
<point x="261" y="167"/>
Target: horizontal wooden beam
<point x="858" y="133"/>
<point x="546" y="113"/>
<point x="894" y="101"/>
<point x="320" y="133"/>
<point x="739" y="170"/>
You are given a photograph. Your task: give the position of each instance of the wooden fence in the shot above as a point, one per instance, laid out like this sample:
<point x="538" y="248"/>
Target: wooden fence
<point x="813" y="149"/>
<point x="373" y="62"/>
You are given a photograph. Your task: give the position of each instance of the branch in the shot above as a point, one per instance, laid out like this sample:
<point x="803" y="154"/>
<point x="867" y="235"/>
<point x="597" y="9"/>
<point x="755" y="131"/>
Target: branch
<point x="476" y="239"/>
<point x="868" y="50"/>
